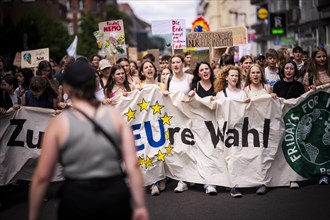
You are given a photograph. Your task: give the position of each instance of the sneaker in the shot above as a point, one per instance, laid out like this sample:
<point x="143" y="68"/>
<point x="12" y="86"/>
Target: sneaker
<point x="261" y="190"/>
<point x="182" y="186"/>
<point x="324" y="180"/>
<point x="294" y="185"/>
<point x="162" y="185"/>
<point x="235" y="193"/>
<point x="211" y="190"/>
<point x="154" y="190"/>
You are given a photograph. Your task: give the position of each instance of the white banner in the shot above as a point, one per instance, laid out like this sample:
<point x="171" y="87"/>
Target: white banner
<point x="223" y="143"/>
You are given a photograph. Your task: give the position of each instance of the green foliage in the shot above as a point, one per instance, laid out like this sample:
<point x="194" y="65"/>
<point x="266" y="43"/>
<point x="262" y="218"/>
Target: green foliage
<point x="86" y="41"/>
<point x="114" y="14"/>
<point x="42" y="31"/>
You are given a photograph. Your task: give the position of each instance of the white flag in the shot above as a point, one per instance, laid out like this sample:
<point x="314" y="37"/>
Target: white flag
<point x="72" y="49"/>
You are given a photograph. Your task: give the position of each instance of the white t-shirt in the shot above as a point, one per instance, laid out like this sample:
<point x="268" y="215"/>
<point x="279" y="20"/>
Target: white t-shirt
<point x="271" y="77"/>
<point x="241" y="95"/>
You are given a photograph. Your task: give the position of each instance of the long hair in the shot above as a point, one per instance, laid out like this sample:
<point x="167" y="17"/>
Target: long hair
<point x="39" y="83"/>
<point x="111" y="82"/>
<point x="221" y="82"/>
<point x="27" y="74"/>
<point x="44" y="64"/>
<point x="141" y="76"/>
<point x="248" y="80"/>
<point x="315" y="68"/>
<point x="296" y="72"/>
<point x="196" y="71"/>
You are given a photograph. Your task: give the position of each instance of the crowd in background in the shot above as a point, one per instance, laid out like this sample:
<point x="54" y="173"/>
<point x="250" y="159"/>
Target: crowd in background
<point x="285" y="73"/>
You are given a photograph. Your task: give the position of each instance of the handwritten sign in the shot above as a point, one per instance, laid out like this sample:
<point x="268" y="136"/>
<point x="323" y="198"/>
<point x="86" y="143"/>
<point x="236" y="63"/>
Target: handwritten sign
<point x="210" y="39"/>
<point x="178" y="34"/>
<point x="111" y="37"/>
<point x="17" y="60"/>
<point x="240" y="36"/>
<point x="199" y="55"/>
<point x="31" y="58"/>
<point x="156" y="54"/>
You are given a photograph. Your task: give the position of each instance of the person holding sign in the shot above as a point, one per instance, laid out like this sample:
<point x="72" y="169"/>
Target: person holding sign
<point x="178" y="81"/>
<point x="319" y="72"/>
<point x="255" y="84"/>
<point x="117" y="84"/>
<point x="228" y="86"/>
<point x="90" y="141"/>
<point x="203" y="85"/>
<point x="148" y="75"/>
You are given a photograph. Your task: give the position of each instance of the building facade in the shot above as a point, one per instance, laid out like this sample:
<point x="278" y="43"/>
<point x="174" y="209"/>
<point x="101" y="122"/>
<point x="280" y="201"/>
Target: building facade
<point x="307" y="24"/>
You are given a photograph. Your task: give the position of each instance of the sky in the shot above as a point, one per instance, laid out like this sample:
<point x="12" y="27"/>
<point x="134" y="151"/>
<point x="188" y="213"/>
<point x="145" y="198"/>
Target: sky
<point x="150" y="10"/>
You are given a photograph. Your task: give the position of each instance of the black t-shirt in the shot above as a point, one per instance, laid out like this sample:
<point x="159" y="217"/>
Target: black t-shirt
<point x="201" y="91"/>
<point x="288" y="90"/>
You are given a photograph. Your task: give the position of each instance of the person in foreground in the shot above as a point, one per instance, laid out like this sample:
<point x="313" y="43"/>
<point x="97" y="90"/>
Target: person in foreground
<point x="94" y="186"/>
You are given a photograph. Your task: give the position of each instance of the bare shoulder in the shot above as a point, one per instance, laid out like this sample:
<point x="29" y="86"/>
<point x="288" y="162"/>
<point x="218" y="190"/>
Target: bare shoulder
<point x="58" y="127"/>
<point x="116" y="117"/>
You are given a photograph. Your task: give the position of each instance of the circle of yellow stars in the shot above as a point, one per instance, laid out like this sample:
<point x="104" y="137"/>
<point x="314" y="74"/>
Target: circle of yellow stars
<point x="166" y="119"/>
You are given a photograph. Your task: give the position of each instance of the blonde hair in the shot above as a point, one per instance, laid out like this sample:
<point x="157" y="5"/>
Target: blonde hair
<point x="248" y="80"/>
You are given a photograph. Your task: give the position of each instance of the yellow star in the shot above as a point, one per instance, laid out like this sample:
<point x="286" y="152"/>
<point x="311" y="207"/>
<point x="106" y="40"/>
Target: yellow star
<point x="143" y="105"/>
<point x="160" y="156"/>
<point x="167" y="134"/>
<point x="148" y="162"/>
<point x="130" y="114"/>
<point x="169" y="149"/>
<point x="157" y="108"/>
<point x="141" y="161"/>
<point x="166" y="119"/>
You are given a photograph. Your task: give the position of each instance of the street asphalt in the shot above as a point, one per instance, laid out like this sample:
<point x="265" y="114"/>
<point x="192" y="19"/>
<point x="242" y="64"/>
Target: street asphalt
<point x="310" y="201"/>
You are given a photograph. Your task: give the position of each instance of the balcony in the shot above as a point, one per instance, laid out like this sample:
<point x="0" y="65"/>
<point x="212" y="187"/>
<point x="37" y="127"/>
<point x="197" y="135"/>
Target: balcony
<point x="323" y="5"/>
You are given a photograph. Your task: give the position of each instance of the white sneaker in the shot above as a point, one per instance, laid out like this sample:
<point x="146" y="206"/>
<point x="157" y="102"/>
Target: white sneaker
<point x="182" y="186"/>
<point x="294" y="185"/>
<point x="154" y="190"/>
<point x="324" y="180"/>
<point x="211" y="190"/>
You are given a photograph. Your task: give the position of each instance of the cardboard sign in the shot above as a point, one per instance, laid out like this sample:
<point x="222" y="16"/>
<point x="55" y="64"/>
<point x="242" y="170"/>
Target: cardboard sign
<point x="31" y="58"/>
<point x="240" y="36"/>
<point x="156" y="53"/>
<point x="210" y="39"/>
<point x="17" y="60"/>
<point x="111" y="37"/>
<point x="133" y="53"/>
<point x="199" y="55"/>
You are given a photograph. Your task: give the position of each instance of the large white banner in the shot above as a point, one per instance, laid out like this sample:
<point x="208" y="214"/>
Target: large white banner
<point x="223" y="143"/>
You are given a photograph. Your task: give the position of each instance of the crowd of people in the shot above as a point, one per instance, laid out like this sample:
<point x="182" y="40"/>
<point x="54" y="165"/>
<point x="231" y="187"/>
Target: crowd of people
<point x="51" y="85"/>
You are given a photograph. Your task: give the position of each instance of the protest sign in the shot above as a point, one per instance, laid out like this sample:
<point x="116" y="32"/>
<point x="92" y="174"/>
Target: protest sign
<point x="240" y="36"/>
<point x="31" y="58"/>
<point x="223" y="142"/>
<point x="199" y="55"/>
<point x="176" y="28"/>
<point x="210" y="39"/>
<point x="111" y="36"/>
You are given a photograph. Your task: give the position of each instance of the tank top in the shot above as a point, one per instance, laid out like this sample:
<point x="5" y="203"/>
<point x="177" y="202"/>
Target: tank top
<point x="252" y="94"/>
<point x="182" y="85"/>
<point x="87" y="154"/>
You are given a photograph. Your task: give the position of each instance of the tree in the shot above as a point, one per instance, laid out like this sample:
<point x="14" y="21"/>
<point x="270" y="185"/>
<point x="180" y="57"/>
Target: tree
<point x="39" y="30"/>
